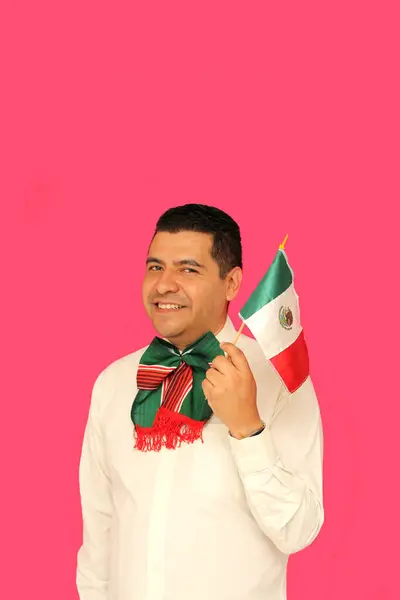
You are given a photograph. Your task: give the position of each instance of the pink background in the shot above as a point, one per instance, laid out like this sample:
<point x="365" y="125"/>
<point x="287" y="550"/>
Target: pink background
<point x="286" y="115"/>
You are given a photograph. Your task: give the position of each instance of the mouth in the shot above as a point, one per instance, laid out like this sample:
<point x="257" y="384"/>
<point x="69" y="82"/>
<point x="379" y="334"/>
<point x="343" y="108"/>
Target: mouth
<point x="167" y="307"/>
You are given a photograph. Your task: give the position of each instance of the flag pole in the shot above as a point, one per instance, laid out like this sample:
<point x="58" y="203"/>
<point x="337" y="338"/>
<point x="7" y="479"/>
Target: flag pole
<point x="239" y="333"/>
<point x="282" y="246"/>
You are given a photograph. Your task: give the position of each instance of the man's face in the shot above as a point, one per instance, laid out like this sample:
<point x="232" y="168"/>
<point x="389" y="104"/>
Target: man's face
<point x="183" y="292"/>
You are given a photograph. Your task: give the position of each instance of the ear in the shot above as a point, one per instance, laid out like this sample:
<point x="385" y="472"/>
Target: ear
<point x="233" y="282"/>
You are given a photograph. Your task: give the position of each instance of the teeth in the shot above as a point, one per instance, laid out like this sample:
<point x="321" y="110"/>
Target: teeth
<point x="169" y="306"/>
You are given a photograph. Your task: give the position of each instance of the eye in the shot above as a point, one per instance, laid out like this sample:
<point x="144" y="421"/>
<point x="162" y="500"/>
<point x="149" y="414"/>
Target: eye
<point x="189" y="270"/>
<point x="154" y="268"/>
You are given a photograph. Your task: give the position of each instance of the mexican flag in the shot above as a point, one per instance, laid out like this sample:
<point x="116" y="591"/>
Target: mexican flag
<point x="273" y="316"/>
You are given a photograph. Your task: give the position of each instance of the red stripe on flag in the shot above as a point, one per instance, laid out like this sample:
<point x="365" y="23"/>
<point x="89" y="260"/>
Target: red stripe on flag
<point x="292" y="364"/>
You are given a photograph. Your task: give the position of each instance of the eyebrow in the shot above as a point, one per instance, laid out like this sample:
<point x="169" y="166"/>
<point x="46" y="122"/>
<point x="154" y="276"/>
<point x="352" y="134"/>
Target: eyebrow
<point x="186" y="261"/>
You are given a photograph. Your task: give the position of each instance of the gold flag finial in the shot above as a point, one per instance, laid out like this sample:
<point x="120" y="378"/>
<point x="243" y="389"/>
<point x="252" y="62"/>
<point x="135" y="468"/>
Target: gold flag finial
<point x="282" y="246"/>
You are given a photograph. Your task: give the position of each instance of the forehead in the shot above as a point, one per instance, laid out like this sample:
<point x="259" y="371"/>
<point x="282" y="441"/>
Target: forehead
<point x="185" y="244"/>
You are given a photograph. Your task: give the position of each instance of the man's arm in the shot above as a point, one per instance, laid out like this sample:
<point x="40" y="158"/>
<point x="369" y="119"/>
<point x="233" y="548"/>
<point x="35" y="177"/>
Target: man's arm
<point x="93" y="556"/>
<point x="281" y="470"/>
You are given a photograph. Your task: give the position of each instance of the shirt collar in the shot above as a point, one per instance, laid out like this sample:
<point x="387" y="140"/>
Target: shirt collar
<point x="227" y="333"/>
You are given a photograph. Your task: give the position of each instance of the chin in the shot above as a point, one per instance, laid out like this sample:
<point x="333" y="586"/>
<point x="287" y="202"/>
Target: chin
<point x="167" y="331"/>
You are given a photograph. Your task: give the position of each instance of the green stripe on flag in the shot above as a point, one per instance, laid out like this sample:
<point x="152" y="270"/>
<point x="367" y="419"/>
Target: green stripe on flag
<point x="276" y="281"/>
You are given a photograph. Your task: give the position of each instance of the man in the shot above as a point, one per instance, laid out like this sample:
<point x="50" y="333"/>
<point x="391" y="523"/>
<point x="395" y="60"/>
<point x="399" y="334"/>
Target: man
<point x="199" y="473"/>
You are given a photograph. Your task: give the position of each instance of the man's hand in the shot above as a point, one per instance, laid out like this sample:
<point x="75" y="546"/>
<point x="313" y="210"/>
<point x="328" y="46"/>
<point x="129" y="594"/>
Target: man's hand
<point x="231" y="392"/>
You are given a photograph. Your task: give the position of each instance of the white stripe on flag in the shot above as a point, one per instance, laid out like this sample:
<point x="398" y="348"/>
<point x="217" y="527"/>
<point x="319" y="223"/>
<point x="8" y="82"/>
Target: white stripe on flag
<point x="267" y="329"/>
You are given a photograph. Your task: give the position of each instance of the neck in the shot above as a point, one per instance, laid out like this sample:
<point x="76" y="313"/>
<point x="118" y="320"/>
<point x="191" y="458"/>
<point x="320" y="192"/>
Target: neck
<point x="182" y="342"/>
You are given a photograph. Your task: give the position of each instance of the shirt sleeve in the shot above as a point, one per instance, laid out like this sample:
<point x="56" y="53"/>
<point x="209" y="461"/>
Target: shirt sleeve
<point x="95" y="489"/>
<point x="281" y="470"/>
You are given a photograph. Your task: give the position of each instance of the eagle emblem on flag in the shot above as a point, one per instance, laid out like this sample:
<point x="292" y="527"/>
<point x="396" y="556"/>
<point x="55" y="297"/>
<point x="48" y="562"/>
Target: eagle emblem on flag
<point x="286" y="317"/>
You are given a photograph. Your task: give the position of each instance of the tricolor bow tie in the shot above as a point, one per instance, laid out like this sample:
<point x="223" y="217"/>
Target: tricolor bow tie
<point x="170" y="407"/>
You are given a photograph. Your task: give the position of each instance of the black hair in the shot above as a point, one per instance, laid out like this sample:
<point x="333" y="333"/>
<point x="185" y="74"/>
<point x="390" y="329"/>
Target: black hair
<point x="227" y="244"/>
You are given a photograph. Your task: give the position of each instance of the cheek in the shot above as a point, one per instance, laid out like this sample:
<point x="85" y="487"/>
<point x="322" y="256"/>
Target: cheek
<point x="147" y="286"/>
<point x="208" y="298"/>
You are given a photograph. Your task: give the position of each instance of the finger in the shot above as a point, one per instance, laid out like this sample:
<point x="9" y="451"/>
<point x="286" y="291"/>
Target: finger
<point x="223" y="365"/>
<point x="214" y="377"/>
<point x="236" y="355"/>
<point x="207" y="388"/>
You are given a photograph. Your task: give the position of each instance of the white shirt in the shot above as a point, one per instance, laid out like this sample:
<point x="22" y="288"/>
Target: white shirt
<point x="207" y="521"/>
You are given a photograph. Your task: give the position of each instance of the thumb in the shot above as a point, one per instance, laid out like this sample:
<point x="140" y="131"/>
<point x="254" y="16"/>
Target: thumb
<point x="235" y="355"/>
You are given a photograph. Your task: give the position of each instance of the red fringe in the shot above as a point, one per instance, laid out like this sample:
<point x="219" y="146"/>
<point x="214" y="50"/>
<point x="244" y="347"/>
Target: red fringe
<point x="170" y="429"/>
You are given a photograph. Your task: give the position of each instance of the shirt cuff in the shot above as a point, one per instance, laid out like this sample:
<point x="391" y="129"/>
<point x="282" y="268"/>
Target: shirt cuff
<point x="254" y="453"/>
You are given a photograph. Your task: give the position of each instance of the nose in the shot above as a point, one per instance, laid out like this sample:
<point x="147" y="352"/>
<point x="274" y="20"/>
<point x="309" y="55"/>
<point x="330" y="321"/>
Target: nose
<point x="166" y="283"/>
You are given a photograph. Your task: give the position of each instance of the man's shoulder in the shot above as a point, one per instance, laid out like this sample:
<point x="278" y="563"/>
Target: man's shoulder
<point x="123" y="366"/>
<point x="117" y="377"/>
<point x="248" y="343"/>
<point x="258" y="362"/>
<point x="251" y="349"/>
<point x="125" y="361"/>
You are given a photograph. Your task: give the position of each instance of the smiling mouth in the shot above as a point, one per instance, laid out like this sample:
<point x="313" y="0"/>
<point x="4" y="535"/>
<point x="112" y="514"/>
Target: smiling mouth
<point x="168" y="306"/>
